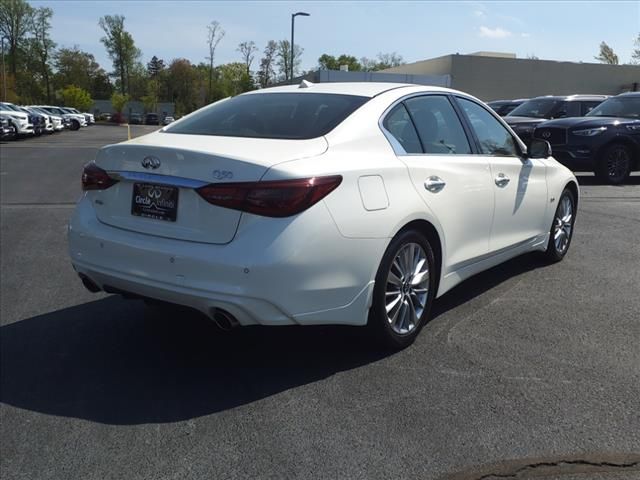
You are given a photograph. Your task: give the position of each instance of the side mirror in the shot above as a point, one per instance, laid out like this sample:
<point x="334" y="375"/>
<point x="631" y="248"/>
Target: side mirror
<point x="538" y="148"/>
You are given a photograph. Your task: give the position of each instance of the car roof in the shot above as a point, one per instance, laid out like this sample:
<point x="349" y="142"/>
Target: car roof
<point x="363" y="89"/>
<point x="572" y="97"/>
<point x="629" y="94"/>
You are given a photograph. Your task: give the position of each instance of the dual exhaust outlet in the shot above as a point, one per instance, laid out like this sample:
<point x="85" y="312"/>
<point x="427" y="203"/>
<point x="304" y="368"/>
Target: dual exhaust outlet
<point x="223" y="319"/>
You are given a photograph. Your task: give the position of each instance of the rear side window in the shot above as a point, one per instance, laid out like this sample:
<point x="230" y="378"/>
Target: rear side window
<point x="493" y="137"/>
<point x="398" y="123"/>
<point x="294" y="116"/>
<point x="438" y="125"/>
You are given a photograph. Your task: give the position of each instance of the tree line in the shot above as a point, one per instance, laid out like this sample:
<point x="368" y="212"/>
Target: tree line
<point x="608" y="56"/>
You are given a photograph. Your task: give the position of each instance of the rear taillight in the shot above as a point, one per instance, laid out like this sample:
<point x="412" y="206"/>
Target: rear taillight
<point x="95" y="178"/>
<point x="280" y="198"/>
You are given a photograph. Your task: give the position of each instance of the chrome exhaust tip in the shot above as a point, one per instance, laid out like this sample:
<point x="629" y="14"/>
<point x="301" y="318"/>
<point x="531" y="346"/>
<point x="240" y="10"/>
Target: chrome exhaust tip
<point x="224" y="320"/>
<point x="89" y="284"/>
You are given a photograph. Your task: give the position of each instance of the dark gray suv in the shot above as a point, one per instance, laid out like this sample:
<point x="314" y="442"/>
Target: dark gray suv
<point x="524" y="118"/>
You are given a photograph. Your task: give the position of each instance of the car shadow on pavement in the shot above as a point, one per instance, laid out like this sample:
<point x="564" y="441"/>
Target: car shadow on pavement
<point x="115" y="361"/>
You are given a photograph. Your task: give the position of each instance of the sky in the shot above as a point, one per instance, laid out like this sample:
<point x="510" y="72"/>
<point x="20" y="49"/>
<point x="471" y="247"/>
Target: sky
<point x="417" y="30"/>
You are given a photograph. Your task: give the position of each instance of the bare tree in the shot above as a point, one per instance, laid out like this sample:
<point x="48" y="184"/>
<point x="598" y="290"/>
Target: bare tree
<point x="214" y="35"/>
<point x="266" y="72"/>
<point x="607" y="55"/>
<point x="635" y="53"/>
<point x="283" y="55"/>
<point x="248" y="51"/>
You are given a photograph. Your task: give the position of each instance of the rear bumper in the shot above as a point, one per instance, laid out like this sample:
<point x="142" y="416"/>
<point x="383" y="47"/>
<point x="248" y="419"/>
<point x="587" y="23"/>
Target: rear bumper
<point x="275" y="272"/>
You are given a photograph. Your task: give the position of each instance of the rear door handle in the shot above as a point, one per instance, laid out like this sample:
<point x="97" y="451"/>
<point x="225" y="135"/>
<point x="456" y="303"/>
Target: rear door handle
<point x="502" y="180"/>
<point x="434" y="184"/>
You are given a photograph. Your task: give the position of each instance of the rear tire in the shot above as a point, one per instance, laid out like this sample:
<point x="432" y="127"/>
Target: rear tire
<point x="404" y="290"/>
<point x="561" y="231"/>
<point x="614" y="165"/>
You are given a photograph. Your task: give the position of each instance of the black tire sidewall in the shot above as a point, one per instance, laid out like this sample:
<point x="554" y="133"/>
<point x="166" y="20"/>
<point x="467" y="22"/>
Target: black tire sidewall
<point x="377" y="314"/>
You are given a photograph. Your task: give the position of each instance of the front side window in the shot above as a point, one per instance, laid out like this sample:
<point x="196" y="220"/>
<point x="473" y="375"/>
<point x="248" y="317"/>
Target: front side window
<point x="294" y="116"/>
<point x="398" y="123"/>
<point x="493" y="137"/>
<point x="438" y="125"/>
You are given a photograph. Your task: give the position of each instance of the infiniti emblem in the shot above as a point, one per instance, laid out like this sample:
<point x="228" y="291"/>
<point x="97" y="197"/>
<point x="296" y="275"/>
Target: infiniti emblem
<point x="150" y="162"/>
<point x="546" y="134"/>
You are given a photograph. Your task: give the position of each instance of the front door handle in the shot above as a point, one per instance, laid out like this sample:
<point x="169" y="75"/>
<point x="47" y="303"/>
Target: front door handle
<point x="502" y="180"/>
<point x="434" y="184"/>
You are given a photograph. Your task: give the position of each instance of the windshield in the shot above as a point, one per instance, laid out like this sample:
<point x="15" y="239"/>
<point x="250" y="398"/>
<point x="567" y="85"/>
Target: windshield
<point x="542" y="108"/>
<point x="9" y="106"/>
<point x="628" y="107"/>
<point x="295" y="116"/>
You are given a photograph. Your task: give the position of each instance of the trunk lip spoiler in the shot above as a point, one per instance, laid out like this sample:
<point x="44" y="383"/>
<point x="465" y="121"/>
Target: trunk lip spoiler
<point x="157" y="178"/>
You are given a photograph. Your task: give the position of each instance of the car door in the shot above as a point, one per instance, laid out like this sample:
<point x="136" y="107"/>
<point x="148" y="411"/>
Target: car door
<point x="519" y="183"/>
<point x="455" y="184"/>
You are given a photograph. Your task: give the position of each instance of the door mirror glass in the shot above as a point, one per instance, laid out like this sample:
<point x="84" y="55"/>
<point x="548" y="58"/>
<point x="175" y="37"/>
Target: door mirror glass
<point x="538" y="149"/>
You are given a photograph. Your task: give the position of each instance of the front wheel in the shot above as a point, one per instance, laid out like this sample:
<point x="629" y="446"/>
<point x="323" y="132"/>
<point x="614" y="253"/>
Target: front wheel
<point x="614" y="166"/>
<point x="562" y="228"/>
<point x="403" y="291"/>
<point x="75" y="125"/>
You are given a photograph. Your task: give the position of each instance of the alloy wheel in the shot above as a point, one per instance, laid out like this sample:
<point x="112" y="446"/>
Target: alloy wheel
<point x="618" y="163"/>
<point x="563" y="224"/>
<point x="407" y="288"/>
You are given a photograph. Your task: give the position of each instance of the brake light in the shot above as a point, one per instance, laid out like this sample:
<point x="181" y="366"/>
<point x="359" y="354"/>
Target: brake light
<point x="279" y="198"/>
<point x="95" y="178"/>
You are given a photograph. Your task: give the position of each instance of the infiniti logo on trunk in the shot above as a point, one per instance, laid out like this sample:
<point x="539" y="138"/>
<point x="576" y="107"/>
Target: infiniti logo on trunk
<point x="150" y="162"/>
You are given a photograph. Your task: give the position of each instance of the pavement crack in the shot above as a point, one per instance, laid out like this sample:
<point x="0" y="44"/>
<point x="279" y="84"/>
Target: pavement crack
<point x="543" y="467"/>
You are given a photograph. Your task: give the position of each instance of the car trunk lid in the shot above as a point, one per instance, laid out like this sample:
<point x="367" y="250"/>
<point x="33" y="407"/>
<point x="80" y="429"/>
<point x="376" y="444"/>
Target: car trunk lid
<point x="158" y="175"/>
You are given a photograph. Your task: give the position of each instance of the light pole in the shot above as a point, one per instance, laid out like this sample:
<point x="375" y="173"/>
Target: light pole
<point x="293" y="18"/>
<point x="4" y="74"/>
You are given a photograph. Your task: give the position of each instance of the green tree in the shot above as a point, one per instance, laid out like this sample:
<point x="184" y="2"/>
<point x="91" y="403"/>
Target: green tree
<point x="118" y="101"/>
<point x="15" y="22"/>
<point x="266" y="73"/>
<point x="607" y="55"/>
<point x="233" y="79"/>
<point x="329" y="62"/>
<point x="182" y="80"/>
<point x="75" y="97"/>
<point x="43" y="46"/>
<point x="120" y="47"/>
<point x="76" y="67"/>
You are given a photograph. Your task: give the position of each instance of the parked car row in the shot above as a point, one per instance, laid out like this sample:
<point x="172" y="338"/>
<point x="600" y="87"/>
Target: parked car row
<point x="588" y="133"/>
<point x="34" y="120"/>
<point x="138" y="118"/>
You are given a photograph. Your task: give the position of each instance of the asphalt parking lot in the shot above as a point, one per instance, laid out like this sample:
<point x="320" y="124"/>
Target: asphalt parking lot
<point x="525" y="370"/>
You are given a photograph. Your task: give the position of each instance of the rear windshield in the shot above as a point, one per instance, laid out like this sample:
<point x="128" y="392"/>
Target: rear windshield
<point x="536" y="108"/>
<point x="295" y="116"/>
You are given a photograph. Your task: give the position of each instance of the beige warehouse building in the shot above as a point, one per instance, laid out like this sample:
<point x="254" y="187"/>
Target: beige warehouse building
<point x="493" y="76"/>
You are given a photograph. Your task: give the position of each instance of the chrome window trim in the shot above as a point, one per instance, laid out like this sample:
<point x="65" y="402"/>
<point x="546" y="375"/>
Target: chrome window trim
<point x="159" y="179"/>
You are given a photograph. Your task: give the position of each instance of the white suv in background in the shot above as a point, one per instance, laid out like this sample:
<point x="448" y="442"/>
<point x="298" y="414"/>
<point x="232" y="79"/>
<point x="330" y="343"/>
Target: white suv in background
<point x="56" y="120"/>
<point x="75" y="120"/>
<point x="88" y="116"/>
<point x="19" y="119"/>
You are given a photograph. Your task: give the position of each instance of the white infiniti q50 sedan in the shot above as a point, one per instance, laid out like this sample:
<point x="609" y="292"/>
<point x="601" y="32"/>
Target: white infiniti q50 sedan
<point x="337" y="203"/>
